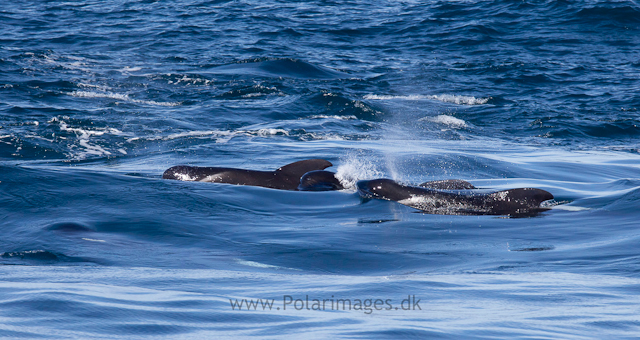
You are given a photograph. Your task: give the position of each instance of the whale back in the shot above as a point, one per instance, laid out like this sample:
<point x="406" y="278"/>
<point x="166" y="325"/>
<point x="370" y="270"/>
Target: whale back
<point x="448" y="184"/>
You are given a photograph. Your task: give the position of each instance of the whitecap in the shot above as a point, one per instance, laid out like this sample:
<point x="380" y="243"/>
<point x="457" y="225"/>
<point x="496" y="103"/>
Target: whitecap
<point x="93" y="240"/>
<point x="190" y="81"/>
<point x="447" y="120"/>
<point x="350" y="117"/>
<point x="197" y="134"/>
<point x="118" y="96"/>
<point x="270" y="132"/>
<point x="261" y="265"/>
<point x="569" y="208"/>
<point x="92" y="149"/>
<point x="446" y="98"/>
<point x="84" y="138"/>
<point x="221" y="136"/>
<point x="131" y="69"/>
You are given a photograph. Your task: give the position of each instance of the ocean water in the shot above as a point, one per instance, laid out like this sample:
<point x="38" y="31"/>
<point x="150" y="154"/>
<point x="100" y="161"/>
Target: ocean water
<point x="98" y="98"/>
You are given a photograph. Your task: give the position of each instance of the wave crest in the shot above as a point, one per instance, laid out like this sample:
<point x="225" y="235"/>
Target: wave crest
<point x="118" y="96"/>
<point x="445" y="98"/>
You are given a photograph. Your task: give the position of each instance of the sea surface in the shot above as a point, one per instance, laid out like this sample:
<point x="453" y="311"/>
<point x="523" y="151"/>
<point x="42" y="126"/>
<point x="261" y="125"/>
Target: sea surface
<point x="98" y="98"/>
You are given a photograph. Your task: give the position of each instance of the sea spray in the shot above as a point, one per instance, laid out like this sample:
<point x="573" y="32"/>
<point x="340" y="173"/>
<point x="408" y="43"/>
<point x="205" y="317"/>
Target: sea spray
<point x="355" y="166"/>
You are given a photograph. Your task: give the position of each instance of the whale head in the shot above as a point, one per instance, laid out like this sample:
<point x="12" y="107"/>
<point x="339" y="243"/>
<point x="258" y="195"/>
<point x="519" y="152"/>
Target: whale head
<point x="382" y="189"/>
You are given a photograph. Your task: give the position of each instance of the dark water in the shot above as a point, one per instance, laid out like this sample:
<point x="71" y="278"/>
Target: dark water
<point x="98" y="99"/>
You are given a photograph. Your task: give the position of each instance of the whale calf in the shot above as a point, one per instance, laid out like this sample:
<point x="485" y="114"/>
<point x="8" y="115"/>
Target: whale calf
<point x="285" y="178"/>
<point x="456" y="197"/>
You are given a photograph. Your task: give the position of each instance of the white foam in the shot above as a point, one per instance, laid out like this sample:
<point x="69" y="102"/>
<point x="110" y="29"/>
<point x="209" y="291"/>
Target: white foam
<point x="88" y="85"/>
<point x="84" y="138"/>
<point x="3" y="137"/>
<point x="450" y="121"/>
<point x="222" y="136"/>
<point x="118" y="96"/>
<point x="333" y="117"/>
<point x="93" y="149"/>
<point x="317" y="136"/>
<point x="190" y="81"/>
<point x="194" y="134"/>
<point x="569" y="208"/>
<point x="93" y="240"/>
<point x="78" y="63"/>
<point x="130" y="69"/>
<point x="261" y="265"/>
<point x="255" y="94"/>
<point x="446" y="98"/>
<point x="83" y="132"/>
<point x="271" y="132"/>
<point x="92" y="86"/>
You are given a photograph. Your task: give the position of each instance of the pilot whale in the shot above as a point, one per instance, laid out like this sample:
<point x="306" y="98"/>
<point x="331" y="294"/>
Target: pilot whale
<point x="456" y="197"/>
<point x="285" y="178"/>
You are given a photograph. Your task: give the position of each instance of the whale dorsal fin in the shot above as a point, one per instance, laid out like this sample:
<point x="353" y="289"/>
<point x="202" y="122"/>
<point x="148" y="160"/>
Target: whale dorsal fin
<point x="300" y="168"/>
<point x="448" y="184"/>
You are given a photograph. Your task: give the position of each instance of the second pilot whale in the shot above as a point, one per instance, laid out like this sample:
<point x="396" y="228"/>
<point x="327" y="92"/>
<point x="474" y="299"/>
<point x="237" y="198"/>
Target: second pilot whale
<point x="457" y="197"/>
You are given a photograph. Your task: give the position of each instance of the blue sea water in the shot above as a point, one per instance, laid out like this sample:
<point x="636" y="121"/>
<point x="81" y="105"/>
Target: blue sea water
<point x="98" y="98"/>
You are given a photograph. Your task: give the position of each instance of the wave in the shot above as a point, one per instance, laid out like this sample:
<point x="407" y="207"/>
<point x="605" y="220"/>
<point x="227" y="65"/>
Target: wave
<point x="450" y="121"/>
<point x="251" y="92"/>
<point x="446" y="98"/>
<point x="187" y="79"/>
<point x="338" y="104"/>
<point x="224" y="136"/>
<point x="37" y="257"/>
<point x="622" y="15"/>
<point x="118" y="96"/>
<point x="332" y="117"/>
<point x="89" y="147"/>
<point x="279" y="68"/>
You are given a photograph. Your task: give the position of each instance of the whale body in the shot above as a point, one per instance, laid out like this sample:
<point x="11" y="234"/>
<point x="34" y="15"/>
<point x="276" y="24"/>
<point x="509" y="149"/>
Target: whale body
<point x="285" y="178"/>
<point x="457" y="197"/>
